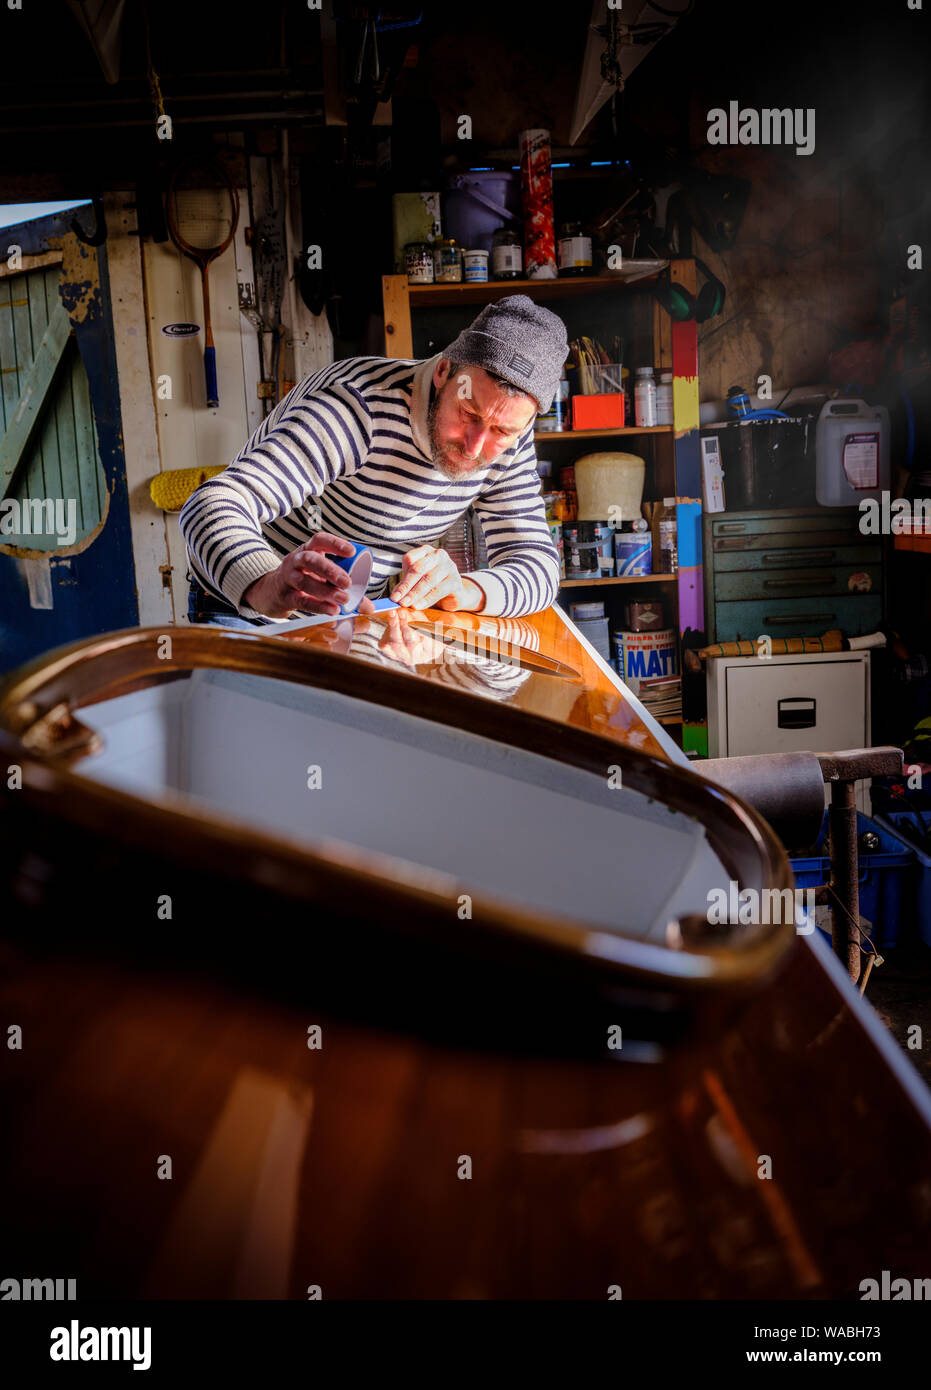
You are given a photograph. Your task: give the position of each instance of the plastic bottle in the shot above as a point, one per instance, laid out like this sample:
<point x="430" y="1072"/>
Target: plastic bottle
<point x="665" y="543"/>
<point x="664" y="399"/>
<point x="645" y="398"/>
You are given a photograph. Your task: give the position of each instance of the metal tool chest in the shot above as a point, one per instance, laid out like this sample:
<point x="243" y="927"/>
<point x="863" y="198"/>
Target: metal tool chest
<point x="790" y="573"/>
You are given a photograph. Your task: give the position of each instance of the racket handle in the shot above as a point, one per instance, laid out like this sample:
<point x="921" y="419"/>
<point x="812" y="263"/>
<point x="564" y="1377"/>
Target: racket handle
<point x="210" y="375"/>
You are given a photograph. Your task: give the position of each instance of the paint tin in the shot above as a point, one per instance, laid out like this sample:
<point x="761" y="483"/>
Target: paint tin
<point x="557" y="417"/>
<point x="633" y="553"/>
<point x="645" y="655"/>
<point x="586" y="612"/>
<point x="604" y="535"/>
<point x="596" y="631"/>
<point x="581" y="550"/>
<point x="475" y="266"/>
<point x="643" y="617"/>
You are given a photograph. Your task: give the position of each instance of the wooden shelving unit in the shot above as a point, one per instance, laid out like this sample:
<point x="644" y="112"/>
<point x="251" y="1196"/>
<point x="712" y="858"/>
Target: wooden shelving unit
<point x="616" y="429"/>
<point x="619" y="579"/>
<point x="672" y="467"/>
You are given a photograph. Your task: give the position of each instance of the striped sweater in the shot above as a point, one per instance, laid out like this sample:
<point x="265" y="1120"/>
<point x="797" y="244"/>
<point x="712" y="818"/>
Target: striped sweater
<point x="348" y="451"/>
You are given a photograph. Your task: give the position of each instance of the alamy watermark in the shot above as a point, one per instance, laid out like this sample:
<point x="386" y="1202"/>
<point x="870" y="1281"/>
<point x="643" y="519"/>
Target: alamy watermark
<point x="751" y="907"/>
<point x="888" y="516"/>
<point x="768" y="126"/>
<point x="40" y="516"/>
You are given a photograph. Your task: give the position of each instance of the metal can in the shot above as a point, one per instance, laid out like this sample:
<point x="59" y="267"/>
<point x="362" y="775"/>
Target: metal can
<point x="475" y="266"/>
<point x="581" y="548"/>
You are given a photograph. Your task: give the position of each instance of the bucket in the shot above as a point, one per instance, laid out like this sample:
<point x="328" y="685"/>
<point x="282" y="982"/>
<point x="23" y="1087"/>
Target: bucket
<point x="633" y="553"/>
<point x="477" y="204"/>
<point x="766" y="463"/>
<point x="645" y="655"/>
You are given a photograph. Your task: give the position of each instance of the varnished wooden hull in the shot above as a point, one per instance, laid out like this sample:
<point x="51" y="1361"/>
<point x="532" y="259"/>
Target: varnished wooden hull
<point x="463" y="1129"/>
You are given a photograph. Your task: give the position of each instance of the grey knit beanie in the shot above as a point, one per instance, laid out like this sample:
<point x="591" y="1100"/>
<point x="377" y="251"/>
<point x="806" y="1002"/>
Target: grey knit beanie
<point x="518" y="340"/>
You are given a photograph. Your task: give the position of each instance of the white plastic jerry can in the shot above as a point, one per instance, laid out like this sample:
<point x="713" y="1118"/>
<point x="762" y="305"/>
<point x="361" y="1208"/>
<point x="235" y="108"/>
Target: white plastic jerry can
<point x="852" y="453"/>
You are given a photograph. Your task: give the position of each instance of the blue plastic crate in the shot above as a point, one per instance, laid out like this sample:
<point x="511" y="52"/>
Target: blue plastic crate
<point x="885" y="877"/>
<point x="909" y="825"/>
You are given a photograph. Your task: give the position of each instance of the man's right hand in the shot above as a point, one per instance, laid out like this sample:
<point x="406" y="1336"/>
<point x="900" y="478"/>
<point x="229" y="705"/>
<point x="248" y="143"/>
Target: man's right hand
<point x="305" y="581"/>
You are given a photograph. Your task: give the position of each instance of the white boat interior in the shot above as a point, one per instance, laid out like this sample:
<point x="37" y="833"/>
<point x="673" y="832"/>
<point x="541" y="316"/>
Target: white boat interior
<point x="312" y="766"/>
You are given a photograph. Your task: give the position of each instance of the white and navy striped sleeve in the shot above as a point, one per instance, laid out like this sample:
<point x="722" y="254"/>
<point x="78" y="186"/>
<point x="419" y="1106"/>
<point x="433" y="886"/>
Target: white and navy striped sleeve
<point x="523" y="573"/>
<point x="319" y="432"/>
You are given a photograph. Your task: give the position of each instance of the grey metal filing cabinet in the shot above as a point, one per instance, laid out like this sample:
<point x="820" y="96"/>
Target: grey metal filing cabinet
<point x="790" y="573"/>
<point x="786" y="704"/>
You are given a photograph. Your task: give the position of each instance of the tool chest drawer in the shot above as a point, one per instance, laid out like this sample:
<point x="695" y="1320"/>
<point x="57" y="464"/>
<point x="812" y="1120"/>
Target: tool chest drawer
<point x="833" y="579"/>
<point x="790" y="573"/>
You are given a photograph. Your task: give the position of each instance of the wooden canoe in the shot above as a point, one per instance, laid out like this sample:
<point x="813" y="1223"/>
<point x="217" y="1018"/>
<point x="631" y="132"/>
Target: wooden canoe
<point x="344" y="964"/>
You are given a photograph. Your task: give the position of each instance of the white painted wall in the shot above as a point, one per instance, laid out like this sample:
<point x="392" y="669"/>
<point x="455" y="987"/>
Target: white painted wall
<point x="190" y="435"/>
<point x="137" y="409"/>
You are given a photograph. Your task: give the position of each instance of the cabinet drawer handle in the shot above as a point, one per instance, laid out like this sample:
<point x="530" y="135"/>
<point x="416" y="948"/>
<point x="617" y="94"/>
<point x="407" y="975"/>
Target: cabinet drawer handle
<point x="723" y="527"/>
<point x="776" y="620"/>
<point x="819" y="582"/>
<point x="797" y="712"/>
<point x="793" y="557"/>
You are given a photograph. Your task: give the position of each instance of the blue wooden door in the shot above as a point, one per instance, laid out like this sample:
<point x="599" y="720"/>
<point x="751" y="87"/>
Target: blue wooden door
<point x="66" y="568"/>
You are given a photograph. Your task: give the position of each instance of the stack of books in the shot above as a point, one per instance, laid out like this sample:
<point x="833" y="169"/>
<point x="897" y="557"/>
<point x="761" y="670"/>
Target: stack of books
<point x="661" y="695"/>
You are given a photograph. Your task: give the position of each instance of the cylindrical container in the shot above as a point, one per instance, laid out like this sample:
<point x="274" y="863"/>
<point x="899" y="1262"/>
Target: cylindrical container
<point x="609" y="484"/>
<point x="574" y="250"/>
<point x="567" y="483"/>
<point x="507" y="255"/>
<point x="645" y="655"/>
<point x="643" y="617"/>
<point x="633" y="553"/>
<point x="586" y="612"/>
<point x="556" y="534"/>
<point x="666" y="533"/>
<point x="556" y="418"/>
<point x="418" y="262"/>
<point x="475" y="266"/>
<point x="596" y="631"/>
<point x="664" y="415"/>
<point x="581" y="550"/>
<point x="738" y="402"/>
<point x="644" y="398"/>
<point x="536" y="181"/>
<point x="555" y="504"/>
<point x="604" y="535"/>
<point x="447" y="262"/>
<point x="545" y="471"/>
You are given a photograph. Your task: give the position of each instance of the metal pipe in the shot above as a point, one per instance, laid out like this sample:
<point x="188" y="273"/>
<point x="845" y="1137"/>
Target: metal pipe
<point x="845" y="917"/>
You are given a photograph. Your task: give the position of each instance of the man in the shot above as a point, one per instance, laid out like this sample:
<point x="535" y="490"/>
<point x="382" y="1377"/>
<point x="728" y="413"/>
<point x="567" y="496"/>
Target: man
<point x="389" y="453"/>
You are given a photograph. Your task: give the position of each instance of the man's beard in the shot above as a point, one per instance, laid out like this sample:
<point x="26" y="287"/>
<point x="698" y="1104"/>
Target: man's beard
<point x="457" y="466"/>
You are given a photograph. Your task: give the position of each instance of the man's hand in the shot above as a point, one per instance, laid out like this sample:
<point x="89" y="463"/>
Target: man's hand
<point x="305" y="581"/>
<point x="430" y="579"/>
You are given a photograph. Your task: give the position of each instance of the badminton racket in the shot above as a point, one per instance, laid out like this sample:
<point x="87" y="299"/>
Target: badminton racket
<point x="202" y="210"/>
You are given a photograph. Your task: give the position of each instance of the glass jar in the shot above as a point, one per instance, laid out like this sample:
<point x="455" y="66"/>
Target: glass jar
<point x="447" y="261"/>
<point x="575" y="249"/>
<point x="507" y="255"/>
<point x="418" y="262"/>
